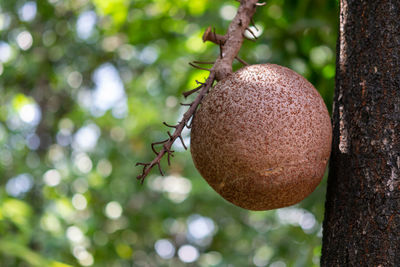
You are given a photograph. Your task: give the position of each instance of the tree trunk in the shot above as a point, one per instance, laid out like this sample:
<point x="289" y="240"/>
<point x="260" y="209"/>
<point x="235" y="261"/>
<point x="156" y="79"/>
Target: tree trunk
<point x="362" y="215"/>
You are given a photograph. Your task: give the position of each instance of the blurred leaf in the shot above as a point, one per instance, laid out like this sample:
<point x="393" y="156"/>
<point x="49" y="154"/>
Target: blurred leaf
<point x="34" y="259"/>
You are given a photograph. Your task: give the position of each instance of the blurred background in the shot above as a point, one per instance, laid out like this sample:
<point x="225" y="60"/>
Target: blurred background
<point x="84" y="88"/>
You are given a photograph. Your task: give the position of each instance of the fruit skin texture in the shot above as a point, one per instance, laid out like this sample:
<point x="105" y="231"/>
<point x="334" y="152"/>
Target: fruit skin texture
<point x="262" y="137"/>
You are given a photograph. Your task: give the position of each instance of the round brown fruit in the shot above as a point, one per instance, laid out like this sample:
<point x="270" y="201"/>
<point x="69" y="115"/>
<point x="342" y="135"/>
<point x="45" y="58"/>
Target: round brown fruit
<point x="262" y="137"/>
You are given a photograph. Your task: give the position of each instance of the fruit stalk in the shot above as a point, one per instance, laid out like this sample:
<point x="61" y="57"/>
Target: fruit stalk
<point x="229" y="45"/>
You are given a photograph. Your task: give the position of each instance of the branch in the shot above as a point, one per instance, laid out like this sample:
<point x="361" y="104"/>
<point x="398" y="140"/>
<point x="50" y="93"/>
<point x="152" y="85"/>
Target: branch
<point x="229" y="45"/>
<point x="178" y="130"/>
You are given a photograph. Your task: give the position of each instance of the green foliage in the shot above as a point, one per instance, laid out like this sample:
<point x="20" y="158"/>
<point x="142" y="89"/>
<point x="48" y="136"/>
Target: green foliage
<point x="84" y="88"/>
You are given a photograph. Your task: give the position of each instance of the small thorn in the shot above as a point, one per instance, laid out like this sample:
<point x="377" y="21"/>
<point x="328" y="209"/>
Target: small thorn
<point x="142" y="164"/>
<point x="190" y="123"/>
<point x="157" y="143"/>
<point x="247" y="38"/>
<point x="202" y="84"/>
<point x="170" y="136"/>
<point x="154" y="150"/>
<point x="184" y="104"/>
<point x="168" y="159"/>
<point x="242" y="61"/>
<point x="252" y="33"/>
<point x="159" y="168"/>
<point x="168" y="125"/>
<point x="188" y="93"/>
<point x="254" y="25"/>
<point x="198" y="67"/>
<point x="261" y="4"/>
<point x="183" y="143"/>
<point x="203" y="62"/>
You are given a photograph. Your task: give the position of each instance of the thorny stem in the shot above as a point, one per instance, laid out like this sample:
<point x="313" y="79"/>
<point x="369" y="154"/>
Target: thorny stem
<point x="178" y="130"/>
<point x="229" y="44"/>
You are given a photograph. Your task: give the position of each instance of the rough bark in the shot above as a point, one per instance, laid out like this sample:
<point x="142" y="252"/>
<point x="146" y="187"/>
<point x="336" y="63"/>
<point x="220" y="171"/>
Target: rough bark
<point x="362" y="216"/>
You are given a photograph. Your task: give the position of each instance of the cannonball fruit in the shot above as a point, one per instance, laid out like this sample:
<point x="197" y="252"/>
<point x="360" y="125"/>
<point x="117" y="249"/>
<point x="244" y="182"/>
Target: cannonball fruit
<point x="262" y="137"/>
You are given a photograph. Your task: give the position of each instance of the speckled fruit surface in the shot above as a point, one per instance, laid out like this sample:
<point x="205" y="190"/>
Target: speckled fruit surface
<point x="262" y="137"/>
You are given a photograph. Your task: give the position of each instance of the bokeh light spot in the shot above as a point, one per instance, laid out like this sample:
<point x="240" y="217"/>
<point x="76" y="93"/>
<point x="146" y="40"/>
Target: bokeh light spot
<point x="19" y="185"/>
<point x="177" y="188"/>
<point x="104" y="167"/>
<point x="85" y="139"/>
<point x="83" y="163"/>
<point x="74" y="234"/>
<point x="164" y="248"/>
<point x="200" y="228"/>
<point x="28" y="11"/>
<point x="5" y="52"/>
<point x="113" y="210"/>
<point x="79" y="202"/>
<point x="52" y="177"/>
<point x="188" y="253"/>
<point x="24" y="40"/>
<point x="85" y="24"/>
<point x="30" y="114"/>
<point x="227" y="12"/>
<point x="74" y="79"/>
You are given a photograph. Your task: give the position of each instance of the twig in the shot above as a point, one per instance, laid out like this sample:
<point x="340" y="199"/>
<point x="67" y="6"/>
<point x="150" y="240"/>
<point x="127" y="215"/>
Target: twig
<point x="253" y="24"/>
<point x="188" y="93"/>
<point x="229" y="45"/>
<point x="252" y="33"/>
<point x="178" y="130"/>
<point x="242" y="61"/>
<point x="198" y="67"/>
<point x="203" y="62"/>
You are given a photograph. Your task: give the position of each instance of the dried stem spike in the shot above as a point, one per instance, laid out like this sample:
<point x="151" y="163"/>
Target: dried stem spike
<point x="183" y="143"/>
<point x="199" y="82"/>
<point x="157" y="143"/>
<point x="253" y="24"/>
<point x="198" y="67"/>
<point x="242" y="61"/>
<point x="188" y="93"/>
<point x="247" y="38"/>
<point x="169" y="125"/>
<point x="203" y="62"/>
<point x="252" y="33"/>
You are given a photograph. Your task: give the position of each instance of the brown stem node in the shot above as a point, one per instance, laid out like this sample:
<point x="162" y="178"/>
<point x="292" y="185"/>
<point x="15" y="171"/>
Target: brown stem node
<point x="212" y="36"/>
